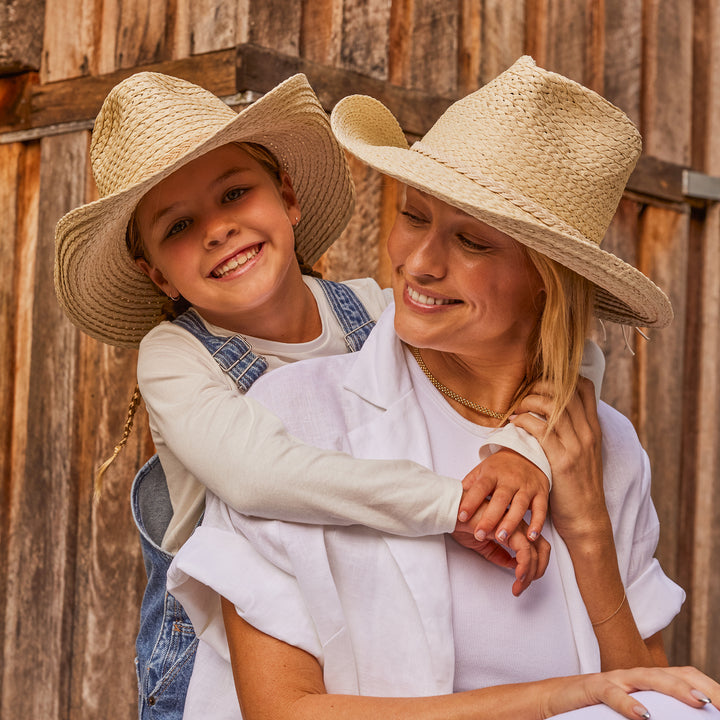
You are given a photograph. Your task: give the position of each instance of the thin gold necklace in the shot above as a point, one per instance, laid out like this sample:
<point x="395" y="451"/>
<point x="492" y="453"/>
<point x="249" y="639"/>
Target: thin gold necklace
<point x="451" y="393"/>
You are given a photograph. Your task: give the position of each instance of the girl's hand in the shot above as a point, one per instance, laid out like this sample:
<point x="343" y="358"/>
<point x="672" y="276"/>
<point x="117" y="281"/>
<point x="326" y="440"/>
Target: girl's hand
<point x="530" y="560"/>
<point x="574" y="450"/>
<point x="515" y="485"/>
<point x="686" y="684"/>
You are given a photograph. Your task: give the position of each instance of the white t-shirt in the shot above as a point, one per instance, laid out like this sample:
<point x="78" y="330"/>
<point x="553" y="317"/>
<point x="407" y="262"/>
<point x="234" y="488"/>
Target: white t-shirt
<point x="497" y="637"/>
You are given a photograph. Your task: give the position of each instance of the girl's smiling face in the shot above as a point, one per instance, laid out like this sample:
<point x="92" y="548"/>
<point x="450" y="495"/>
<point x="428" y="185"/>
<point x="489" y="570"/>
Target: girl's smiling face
<point x="460" y="286"/>
<point x="219" y="232"/>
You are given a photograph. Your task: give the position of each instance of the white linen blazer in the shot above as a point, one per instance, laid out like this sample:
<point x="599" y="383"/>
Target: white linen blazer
<point x="375" y="608"/>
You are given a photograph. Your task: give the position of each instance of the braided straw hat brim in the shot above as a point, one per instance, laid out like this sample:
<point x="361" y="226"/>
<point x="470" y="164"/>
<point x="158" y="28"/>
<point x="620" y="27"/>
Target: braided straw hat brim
<point x="97" y="283"/>
<point x="368" y="130"/>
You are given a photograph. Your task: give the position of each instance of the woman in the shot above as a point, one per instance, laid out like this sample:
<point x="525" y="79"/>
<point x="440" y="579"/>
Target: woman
<point x="496" y="270"/>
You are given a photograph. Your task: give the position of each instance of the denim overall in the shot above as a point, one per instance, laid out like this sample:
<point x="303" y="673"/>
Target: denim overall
<point x="166" y="641"/>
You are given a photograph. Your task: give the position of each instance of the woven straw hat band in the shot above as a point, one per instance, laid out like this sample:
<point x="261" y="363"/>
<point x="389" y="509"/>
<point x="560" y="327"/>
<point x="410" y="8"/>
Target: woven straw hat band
<point x="570" y="164"/>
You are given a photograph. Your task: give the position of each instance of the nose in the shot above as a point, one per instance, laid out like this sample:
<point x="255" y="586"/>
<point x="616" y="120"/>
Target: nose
<point x="219" y="229"/>
<point x="428" y="256"/>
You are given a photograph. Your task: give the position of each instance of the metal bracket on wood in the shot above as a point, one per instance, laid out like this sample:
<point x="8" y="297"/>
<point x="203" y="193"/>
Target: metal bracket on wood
<point x="701" y="186"/>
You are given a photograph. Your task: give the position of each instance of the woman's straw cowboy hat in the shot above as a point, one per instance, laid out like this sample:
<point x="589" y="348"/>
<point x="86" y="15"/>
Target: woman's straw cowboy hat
<point x="151" y="125"/>
<point x="534" y="155"/>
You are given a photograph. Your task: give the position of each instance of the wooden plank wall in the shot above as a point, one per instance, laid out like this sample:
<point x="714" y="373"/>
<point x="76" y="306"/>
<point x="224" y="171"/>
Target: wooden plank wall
<point x="71" y="570"/>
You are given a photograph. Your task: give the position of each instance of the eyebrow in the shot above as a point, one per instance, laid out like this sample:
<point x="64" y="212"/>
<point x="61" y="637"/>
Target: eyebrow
<point x="230" y="172"/>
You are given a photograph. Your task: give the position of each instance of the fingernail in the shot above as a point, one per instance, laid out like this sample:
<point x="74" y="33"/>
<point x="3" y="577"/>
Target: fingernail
<point x="522" y="578"/>
<point x="463" y="516"/>
<point x="502" y="536"/>
<point x="641" y="712"/>
<point x="534" y="535"/>
<point x="480" y="535"/>
<point x="700" y="696"/>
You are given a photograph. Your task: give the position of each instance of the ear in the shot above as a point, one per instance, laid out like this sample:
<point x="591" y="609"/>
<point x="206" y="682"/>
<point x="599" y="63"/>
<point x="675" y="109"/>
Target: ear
<point x="157" y="277"/>
<point x="287" y="193"/>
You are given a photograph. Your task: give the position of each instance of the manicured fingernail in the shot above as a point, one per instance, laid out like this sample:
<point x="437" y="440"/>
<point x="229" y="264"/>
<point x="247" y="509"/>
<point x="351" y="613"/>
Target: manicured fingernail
<point x="641" y="712"/>
<point x="700" y="696"/>
<point x="522" y="578"/>
<point x="533" y="535"/>
<point x="480" y="535"/>
<point x="502" y="536"/>
<point x="463" y="516"/>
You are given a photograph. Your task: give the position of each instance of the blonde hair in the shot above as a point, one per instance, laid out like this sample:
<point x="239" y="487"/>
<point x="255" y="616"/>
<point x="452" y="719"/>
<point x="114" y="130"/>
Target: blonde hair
<point x="555" y="348"/>
<point x="171" y="309"/>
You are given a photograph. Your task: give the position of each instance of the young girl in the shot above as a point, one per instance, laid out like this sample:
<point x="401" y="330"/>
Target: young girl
<point x="207" y="217"/>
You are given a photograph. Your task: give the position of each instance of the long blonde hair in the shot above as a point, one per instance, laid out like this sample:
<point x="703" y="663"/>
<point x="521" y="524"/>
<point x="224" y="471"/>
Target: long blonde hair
<point x="555" y="348"/>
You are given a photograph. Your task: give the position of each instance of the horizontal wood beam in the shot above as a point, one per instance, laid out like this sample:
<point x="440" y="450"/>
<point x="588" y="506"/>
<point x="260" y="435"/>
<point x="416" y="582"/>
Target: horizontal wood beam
<point x="29" y="110"/>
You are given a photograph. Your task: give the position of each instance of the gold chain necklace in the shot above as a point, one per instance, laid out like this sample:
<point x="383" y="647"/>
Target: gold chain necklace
<point x="451" y="393"/>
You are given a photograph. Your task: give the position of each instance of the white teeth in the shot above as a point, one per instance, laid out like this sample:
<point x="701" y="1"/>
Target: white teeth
<point x="237" y="261"/>
<point x="425" y="300"/>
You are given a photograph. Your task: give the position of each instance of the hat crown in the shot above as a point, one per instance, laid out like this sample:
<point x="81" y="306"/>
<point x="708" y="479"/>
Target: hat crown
<point x="547" y="144"/>
<point x="146" y="123"/>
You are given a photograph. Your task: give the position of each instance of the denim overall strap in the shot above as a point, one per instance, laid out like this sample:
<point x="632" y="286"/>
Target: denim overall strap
<point x="352" y="315"/>
<point x="233" y="353"/>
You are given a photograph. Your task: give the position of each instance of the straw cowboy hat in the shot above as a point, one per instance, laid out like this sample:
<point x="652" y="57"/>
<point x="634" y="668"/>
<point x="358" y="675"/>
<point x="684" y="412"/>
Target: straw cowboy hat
<point x="534" y="155"/>
<point x="151" y="125"/>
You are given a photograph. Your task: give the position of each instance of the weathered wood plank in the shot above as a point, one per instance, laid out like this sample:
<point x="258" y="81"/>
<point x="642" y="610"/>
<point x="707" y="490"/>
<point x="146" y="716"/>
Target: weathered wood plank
<point x="260" y="69"/>
<point x="623" y="55"/>
<point x="549" y="21"/>
<point x="666" y="89"/>
<point x="426" y="58"/>
<point x="216" y="24"/>
<point x="663" y="256"/>
<point x="21" y="35"/>
<point x="81" y="99"/>
<point x="365" y="32"/>
<point x="110" y="574"/>
<point x="10" y="158"/>
<point x="321" y="33"/>
<point x="69" y="48"/>
<point x="355" y="253"/>
<point x="503" y="36"/>
<point x="703" y="451"/>
<point x="41" y="543"/>
<point x="275" y="24"/>
<point x="24" y="242"/>
<point x="619" y="344"/>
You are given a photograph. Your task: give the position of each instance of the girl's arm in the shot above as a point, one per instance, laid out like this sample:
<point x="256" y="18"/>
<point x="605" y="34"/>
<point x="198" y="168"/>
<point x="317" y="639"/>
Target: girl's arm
<point x="275" y="681"/>
<point x="581" y="517"/>
<point x="210" y="436"/>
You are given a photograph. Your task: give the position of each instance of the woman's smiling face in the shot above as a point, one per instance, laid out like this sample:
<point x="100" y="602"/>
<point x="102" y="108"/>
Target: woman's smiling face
<point x="219" y="232"/>
<point x="460" y="286"/>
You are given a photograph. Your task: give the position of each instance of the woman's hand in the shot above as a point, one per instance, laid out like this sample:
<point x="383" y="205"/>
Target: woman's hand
<point x="514" y="485"/>
<point x="531" y="558"/>
<point x="574" y="450"/>
<point x="685" y="684"/>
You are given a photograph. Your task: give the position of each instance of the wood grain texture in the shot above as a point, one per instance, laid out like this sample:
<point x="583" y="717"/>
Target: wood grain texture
<point x="81" y="99"/>
<point x="667" y="86"/>
<point x="663" y="256"/>
<point x="43" y="507"/>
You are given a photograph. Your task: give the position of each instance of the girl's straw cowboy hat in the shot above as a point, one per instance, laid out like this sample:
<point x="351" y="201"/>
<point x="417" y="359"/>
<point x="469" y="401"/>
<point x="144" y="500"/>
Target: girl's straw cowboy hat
<point x="534" y="155"/>
<point x="151" y="125"/>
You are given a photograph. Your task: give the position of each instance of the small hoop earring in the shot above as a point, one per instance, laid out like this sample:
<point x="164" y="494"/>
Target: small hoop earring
<point x="175" y="298"/>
